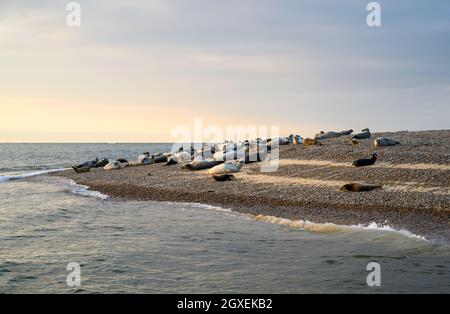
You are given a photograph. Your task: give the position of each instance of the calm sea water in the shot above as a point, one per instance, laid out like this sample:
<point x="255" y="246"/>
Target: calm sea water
<point x="137" y="247"/>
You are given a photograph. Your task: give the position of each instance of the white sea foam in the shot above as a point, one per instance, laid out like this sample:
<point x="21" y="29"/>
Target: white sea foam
<point x="83" y="190"/>
<point x="380" y="227"/>
<point x="312" y="226"/>
<point x="334" y="228"/>
<point x="18" y="176"/>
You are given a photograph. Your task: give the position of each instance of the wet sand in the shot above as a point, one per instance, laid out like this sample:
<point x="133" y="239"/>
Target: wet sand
<point x="415" y="178"/>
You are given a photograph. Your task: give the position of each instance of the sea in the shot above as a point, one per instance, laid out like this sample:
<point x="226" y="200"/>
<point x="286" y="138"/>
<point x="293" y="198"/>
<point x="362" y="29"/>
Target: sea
<point x="60" y="237"/>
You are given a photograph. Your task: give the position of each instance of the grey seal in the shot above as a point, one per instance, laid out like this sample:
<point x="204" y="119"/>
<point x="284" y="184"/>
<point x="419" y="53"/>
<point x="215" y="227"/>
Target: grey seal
<point x="366" y="161"/>
<point x="359" y="187"/>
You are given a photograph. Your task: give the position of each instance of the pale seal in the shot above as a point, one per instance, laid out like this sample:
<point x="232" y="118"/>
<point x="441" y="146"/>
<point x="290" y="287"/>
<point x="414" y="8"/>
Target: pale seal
<point x="114" y="165"/>
<point x="228" y="167"/>
<point x="324" y="136"/>
<point x="384" y="141"/>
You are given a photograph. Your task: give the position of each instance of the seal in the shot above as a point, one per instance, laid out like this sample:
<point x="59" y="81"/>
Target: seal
<point x="102" y="163"/>
<point x="90" y="164"/>
<point x="323" y="136"/>
<point x="362" y="136"/>
<point x="81" y="169"/>
<point x="160" y="158"/>
<point x="346" y="132"/>
<point x="223" y="177"/>
<point x="384" y="141"/>
<point x="171" y="161"/>
<point x="365" y="161"/>
<point x="230" y="155"/>
<point x="228" y="167"/>
<point x="359" y="187"/>
<point x="201" y="164"/>
<point x="310" y="142"/>
<point x="114" y="165"/>
<point x="279" y="141"/>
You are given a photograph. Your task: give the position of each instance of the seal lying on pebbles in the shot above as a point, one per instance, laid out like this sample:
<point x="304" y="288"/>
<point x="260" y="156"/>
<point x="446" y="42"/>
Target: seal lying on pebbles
<point x="90" y="164"/>
<point x="365" y="161"/>
<point x="228" y="167"/>
<point x="298" y="140"/>
<point x="181" y="157"/>
<point x="280" y="141"/>
<point x="81" y="169"/>
<point x="223" y="177"/>
<point x="384" y="141"/>
<point x="171" y="161"/>
<point x="201" y="164"/>
<point x="346" y="132"/>
<point x="295" y="139"/>
<point x="160" y="158"/>
<point x="114" y="165"/>
<point x="362" y="136"/>
<point x="143" y="159"/>
<point x="323" y="136"/>
<point x="102" y="163"/>
<point x="359" y="187"/>
<point x="311" y="142"/>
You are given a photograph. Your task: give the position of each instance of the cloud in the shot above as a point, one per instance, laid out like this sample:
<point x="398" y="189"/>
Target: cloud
<point x="307" y="63"/>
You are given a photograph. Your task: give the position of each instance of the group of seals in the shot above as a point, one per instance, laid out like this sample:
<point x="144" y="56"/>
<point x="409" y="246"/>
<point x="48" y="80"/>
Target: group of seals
<point x="85" y="167"/>
<point x="331" y="134"/>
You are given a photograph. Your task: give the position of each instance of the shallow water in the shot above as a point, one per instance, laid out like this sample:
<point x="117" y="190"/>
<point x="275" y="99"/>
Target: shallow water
<point x="48" y="222"/>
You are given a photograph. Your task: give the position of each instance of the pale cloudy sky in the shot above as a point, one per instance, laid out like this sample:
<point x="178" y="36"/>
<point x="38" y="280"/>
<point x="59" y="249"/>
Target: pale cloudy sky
<point x="137" y="69"/>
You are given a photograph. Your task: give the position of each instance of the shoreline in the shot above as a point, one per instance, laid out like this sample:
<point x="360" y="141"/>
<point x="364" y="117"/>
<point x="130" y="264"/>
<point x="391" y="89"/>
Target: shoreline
<point x="414" y="175"/>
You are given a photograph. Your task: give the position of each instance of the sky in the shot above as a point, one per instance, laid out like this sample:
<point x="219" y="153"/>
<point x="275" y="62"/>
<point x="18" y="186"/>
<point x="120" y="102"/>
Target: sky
<point x="135" y="70"/>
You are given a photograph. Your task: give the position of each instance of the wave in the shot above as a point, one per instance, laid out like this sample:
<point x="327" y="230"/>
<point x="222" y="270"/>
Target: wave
<point x="380" y="227"/>
<point x="83" y="190"/>
<point x="334" y="228"/>
<point x="10" y="177"/>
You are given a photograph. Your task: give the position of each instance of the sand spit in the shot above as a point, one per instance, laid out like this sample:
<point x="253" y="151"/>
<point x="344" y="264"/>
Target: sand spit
<point x="415" y="178"/>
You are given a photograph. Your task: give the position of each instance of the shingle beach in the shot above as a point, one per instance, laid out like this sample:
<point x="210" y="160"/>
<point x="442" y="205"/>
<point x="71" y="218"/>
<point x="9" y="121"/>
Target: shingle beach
<point x="415" y="178"/>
